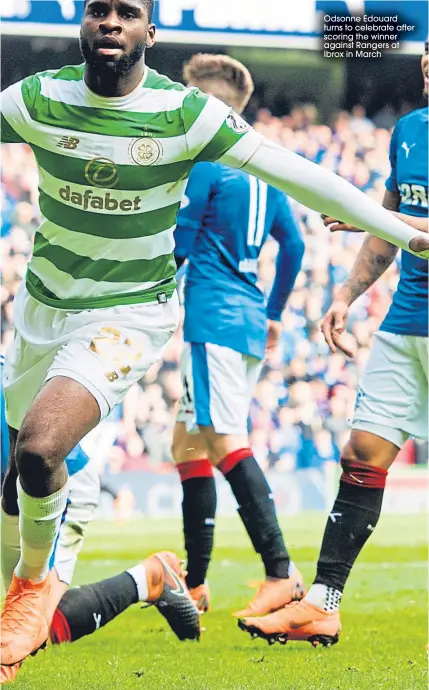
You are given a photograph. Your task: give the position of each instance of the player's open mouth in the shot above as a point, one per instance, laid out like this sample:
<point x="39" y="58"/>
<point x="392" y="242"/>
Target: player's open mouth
<point x="109" y="51"/>
<point x="108" y="46"/>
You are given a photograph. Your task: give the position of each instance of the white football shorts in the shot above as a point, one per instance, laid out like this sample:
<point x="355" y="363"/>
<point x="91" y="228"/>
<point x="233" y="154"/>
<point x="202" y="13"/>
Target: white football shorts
<point x="392" y="397"/>
<point x="218" y="385"/>
<point x="106" y="350"/>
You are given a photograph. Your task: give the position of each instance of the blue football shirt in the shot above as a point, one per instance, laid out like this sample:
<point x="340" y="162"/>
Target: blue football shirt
<point x="408" y="314"/>
<point x="226" y="217"/>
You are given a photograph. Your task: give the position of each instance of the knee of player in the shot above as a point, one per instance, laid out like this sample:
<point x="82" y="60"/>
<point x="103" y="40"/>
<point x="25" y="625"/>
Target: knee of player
<point x="35" y="454"/>
<point x="368" y="448"/>
<point x="354" y="451"/>
<point x="178" y="451"/>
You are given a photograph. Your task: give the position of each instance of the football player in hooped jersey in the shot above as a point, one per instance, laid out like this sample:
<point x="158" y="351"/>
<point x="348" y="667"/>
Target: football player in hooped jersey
<point x="115" y="143"/>
<point x="392" y="399"/>
<point x="80" y="611"/>
<point x="221" y="230"/>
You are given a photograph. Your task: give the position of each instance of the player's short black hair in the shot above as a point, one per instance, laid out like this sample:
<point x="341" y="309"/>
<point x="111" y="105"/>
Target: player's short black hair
<point x="149" y="6"/>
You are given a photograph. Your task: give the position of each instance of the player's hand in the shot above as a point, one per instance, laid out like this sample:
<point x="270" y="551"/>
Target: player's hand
<point x="336" y="225"/>
<point x="333" y="327"/>
<point x="275" y="329"/>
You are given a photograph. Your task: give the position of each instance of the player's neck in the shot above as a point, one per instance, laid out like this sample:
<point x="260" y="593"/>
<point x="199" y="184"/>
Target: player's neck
<point x="106" y="83"/>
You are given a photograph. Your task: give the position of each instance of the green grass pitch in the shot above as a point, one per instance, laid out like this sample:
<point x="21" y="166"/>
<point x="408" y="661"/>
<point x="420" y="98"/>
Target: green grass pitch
<point x="384" y="618"/>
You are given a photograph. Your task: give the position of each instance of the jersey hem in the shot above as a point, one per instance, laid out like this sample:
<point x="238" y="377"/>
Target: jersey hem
<point x="402" y="331"/>
<point x="242" y="350"/>
<point x="150" y="295"/>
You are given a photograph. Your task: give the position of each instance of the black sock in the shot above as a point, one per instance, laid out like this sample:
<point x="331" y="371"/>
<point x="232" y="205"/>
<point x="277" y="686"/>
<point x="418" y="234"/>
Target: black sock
<point x="352" y="520"/>
<point x="83" y="610"/>
<point x="257" y="510"/>
<point x="199" y="510"/>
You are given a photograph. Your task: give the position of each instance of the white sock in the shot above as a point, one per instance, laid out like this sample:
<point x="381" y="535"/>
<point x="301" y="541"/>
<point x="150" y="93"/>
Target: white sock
<point x="39" y="524"/>
<point x="10" y="546"/>
<point x="324" y="597"/>
<point x="138" y="573"/>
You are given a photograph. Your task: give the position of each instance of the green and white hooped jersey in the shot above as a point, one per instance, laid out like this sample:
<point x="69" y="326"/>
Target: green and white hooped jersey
<point x="113" y="173"/>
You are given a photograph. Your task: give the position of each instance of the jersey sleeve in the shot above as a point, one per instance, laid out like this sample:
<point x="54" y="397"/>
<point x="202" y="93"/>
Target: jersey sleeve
<point x="13" y="115"/>
<point x="214" y="131"/>
<point x="286" y="231"/>
<point x="391" y="182"/>
<point x="191" y="213"/>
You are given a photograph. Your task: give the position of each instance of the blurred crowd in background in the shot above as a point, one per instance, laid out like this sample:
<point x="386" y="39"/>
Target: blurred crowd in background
<point x="302" y="403"/>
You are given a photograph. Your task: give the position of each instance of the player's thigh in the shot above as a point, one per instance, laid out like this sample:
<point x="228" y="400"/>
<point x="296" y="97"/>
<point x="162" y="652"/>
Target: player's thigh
<point x="188" y="443"/>
<point x="221" y="390"/>
<point x="84" y="494"/>
<point x="369" y="448"/>
<point x="187" y="447"/>
<point x="108" y="350"/>
<point x="103" y="353"/>
<point x="51" y="415"/>
<point x="391" y="401"/>
<point x="30" y="354"/>
<point x="186" y="408"/>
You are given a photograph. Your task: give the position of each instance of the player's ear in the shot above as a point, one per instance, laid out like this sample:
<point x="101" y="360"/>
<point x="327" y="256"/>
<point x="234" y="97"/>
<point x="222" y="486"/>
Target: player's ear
<point x="150" y="38"/>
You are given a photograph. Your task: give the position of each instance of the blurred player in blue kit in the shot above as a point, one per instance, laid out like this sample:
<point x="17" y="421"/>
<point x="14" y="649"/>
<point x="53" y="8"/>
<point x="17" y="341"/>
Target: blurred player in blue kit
<point x="392" y="398"/>
<point x="221" y="229"/>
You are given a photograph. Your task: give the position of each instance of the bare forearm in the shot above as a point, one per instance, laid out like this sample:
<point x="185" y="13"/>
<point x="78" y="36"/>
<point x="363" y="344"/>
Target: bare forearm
<point x="373" y="259"/>
<point x="421" y="224"/>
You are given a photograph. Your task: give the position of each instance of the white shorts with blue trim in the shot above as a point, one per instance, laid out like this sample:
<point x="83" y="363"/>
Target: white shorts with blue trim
<point x="81" y="505"/>
<point x="218" y="385"/>
<point x="392" y="398"/>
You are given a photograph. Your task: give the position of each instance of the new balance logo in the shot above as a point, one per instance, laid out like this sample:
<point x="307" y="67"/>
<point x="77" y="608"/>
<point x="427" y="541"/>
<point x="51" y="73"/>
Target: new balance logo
<point x="68" y="143"/>
<point x="407" y="148"/>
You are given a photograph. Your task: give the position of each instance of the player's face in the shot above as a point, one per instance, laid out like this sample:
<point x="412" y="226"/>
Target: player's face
<point x="425" y="69"/>
<point x="115" y="33"/>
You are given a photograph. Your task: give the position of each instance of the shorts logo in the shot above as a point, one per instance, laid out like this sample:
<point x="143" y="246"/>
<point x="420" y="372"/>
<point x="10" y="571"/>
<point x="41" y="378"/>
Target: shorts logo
<point x="69" y="143"/>
<point x="359" y="397"/>
<point x="145" y="151"/>
<point x="116" y="349"/>
<point x="102" y="172"/>
<point x="236" y="123"/>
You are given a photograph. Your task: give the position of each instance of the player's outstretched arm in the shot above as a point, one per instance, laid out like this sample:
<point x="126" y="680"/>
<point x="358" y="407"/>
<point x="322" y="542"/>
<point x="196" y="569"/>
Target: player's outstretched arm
<point x="328" y="193"/>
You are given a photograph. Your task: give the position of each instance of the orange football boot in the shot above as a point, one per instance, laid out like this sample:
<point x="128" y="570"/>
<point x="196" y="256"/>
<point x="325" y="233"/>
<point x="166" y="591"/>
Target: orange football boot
<point x="8" y="673"/>
<point x="169" y="593"/>
<point x="24" y="628"/>
<point x="274" y="594"/>
<point x="201" y="596"/>
<point x="297" y="621"/>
